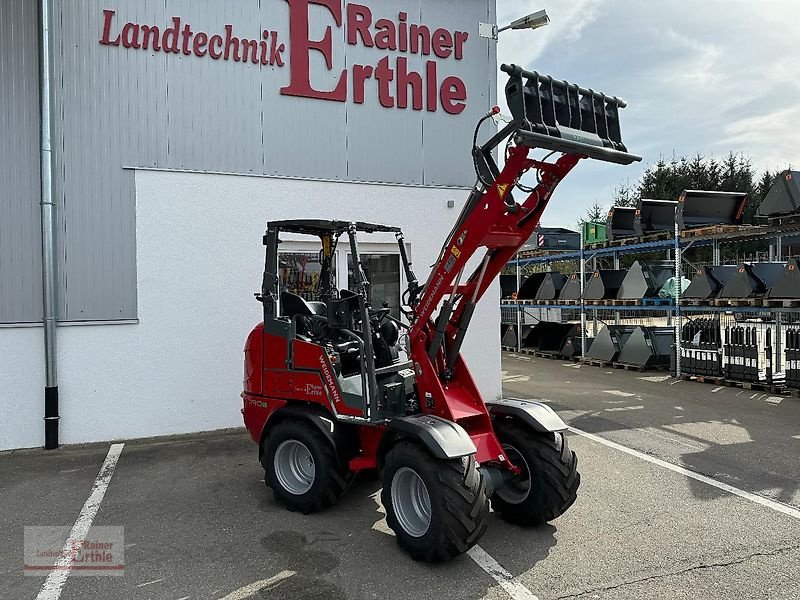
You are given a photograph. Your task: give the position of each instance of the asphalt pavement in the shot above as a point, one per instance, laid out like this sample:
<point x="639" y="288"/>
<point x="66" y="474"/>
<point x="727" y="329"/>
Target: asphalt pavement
<point x="200" y="524"/>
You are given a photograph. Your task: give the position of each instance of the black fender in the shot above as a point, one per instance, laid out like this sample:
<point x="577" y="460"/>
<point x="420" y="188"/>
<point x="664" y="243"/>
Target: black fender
<point x="339" y="435"/>
<point x="539" y="417"/>
<point x="442" y="438"/>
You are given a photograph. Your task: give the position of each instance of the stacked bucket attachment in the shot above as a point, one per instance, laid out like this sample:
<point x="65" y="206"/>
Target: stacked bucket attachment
<point x="508" y="286"/>
<point x="572" y="347"/>
<point x="708" y="282"/>
<point x="644" y="280"/>
<point x="609" y="341"/>
<point x="699" y="208"/>
<point x="654" y="215"/>
<point x="788" y="284"/>
<point x="529" y="287"/>
<point x="549" y="336"/>
<point x="572" y="288"/>
<point x="752" y="280"/>
<point x="783" y="198"/>
<point x="620" y="222"/>
<point x="700" y="348"/>
<point x="793" y="358"/>
<point x="551" y="287"/>
<point x="564" y="117"/>
<point x="604" y="284"/>
<point x="649" y="347"/>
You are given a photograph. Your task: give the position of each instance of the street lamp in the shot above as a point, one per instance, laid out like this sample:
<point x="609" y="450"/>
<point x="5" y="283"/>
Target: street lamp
<point x="531" y="21"/>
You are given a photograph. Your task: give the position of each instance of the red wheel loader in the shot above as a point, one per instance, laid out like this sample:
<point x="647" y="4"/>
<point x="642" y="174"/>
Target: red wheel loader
<point x="331" y="389"/>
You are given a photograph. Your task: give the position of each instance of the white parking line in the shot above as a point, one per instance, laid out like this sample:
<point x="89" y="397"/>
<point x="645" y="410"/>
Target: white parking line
<point x="51" y="588"/>
<point x="621" y="408"/>
<point x="150" y="582"/>
<point x="655" y="378"/>
<point x="776" y="506"/>
<point x="618" y="393"/>
<point x="251" y="590"/>
<point x="716" y="389"/>
<point x="512" y="587"/>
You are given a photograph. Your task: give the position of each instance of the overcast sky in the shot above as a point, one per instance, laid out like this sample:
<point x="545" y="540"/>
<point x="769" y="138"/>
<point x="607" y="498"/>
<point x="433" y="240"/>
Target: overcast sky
<point x="705" y="76"/>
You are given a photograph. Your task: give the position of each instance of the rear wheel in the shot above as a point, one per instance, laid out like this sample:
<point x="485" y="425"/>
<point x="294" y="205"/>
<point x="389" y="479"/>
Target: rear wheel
<point x="301" y="467"/>
<point x="548" y="482"/>
<point x="437" y="508"/>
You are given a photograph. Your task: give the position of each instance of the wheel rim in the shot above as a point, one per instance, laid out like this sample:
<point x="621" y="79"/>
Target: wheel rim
<point x="518" y="488"/>
<point x="294" y="467"/>
<point x="411" y="502"/>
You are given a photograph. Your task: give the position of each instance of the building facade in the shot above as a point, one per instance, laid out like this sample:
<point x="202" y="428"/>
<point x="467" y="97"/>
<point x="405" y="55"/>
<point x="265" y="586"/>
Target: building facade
<point x="180" y="128"/>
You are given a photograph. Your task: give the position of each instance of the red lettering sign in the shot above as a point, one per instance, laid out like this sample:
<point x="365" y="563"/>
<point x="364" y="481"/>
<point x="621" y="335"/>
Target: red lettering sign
<point x="390" y="80"/>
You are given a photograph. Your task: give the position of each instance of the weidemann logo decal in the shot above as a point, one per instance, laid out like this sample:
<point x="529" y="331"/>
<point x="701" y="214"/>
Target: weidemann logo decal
<point x="397" y="85"/>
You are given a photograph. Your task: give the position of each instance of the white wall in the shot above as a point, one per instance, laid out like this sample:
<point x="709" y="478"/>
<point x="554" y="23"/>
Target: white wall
<point x="200" y="259"/>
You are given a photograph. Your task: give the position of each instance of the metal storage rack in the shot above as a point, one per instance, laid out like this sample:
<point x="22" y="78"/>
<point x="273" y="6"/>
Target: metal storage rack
<point x="673" y="311"/>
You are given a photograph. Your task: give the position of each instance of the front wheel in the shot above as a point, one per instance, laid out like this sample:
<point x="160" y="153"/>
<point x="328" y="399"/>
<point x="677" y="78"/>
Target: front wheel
<point x="548" y="482"/>
<point x="437" y="508"/>
<point x="301" y="467"/>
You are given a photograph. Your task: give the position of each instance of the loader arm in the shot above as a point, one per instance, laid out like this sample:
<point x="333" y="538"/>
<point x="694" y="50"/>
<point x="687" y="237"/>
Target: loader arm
<point x="571" y="122"/>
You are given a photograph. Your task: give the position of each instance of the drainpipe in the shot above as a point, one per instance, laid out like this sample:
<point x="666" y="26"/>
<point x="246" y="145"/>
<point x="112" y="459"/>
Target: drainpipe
<point x="49" y="290"/>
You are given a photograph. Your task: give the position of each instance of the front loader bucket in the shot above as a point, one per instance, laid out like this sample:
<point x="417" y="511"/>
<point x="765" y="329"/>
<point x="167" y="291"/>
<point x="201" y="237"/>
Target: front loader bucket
<point x="648" y="347"/>
<point x="654" y="215"/>
<point x="572" y="347"/>
<point x="549" y="336"/>
<point x="609" y="342"/>
<point x="788" y="284"/>
<point x="708" y="281"/>
<point x="564" y="117"/>
<point x="551" y="286"/>
<point x="529" y="287"/>
<point x="783" y="197"/>
<point x="644" y="280"/>
<point x="697" y="208"/>
<point x="508" y="286"/>
<point x="604" y="284"/>
<point x="508" y="336"/>
<point x="620" y="222"/>
<point x="752" y="280"/>
<point x="572" y="288"/>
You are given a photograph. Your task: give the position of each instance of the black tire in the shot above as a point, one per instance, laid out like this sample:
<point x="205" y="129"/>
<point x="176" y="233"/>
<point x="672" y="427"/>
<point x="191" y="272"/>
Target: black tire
<point x="554" y="479"/>
<point x="458" y="504"/>
<point x="330" y="481"/>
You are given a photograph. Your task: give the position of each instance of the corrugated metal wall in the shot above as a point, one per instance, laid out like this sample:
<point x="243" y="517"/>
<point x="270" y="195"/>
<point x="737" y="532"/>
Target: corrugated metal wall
<point x="122" y="107"/>
<point x="20" y="230"/>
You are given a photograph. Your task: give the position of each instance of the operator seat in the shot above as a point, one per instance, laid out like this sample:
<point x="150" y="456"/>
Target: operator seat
<point x="293" y="306"/>
<point x="386" y="352"/>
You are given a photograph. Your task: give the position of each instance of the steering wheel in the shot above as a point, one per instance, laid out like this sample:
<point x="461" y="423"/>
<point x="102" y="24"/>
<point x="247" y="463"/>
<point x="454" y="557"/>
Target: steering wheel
<point x="380" y="314"/>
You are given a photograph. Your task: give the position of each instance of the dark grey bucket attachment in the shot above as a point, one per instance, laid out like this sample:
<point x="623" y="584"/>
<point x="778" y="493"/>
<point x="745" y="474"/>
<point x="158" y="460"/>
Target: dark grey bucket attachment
<point x="529" y="287"/>
<point x="549" y="336"/>
<point x="783" y="197"/>
<point x="609" y="342"/>
<point x="551" y="287"/>
<point x="508" y="286"/>
<point x="564" y="117"/>
<point x="572" y="288"/>
<point x="572" y="346"/>
<point x="644" y="280"/>
<point x="752" y="280"/>
<point x="708" y="281"/>
<point x="604" y="284"/>
<point x="648" y="347"/>
<point x="654" y="215"/>
<point x="508" y="336"/>
<point x="619" y="223"/>
<point x="555" y="238"/>
<point x="788" y="284"/>
<point x="697" y="208"/>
